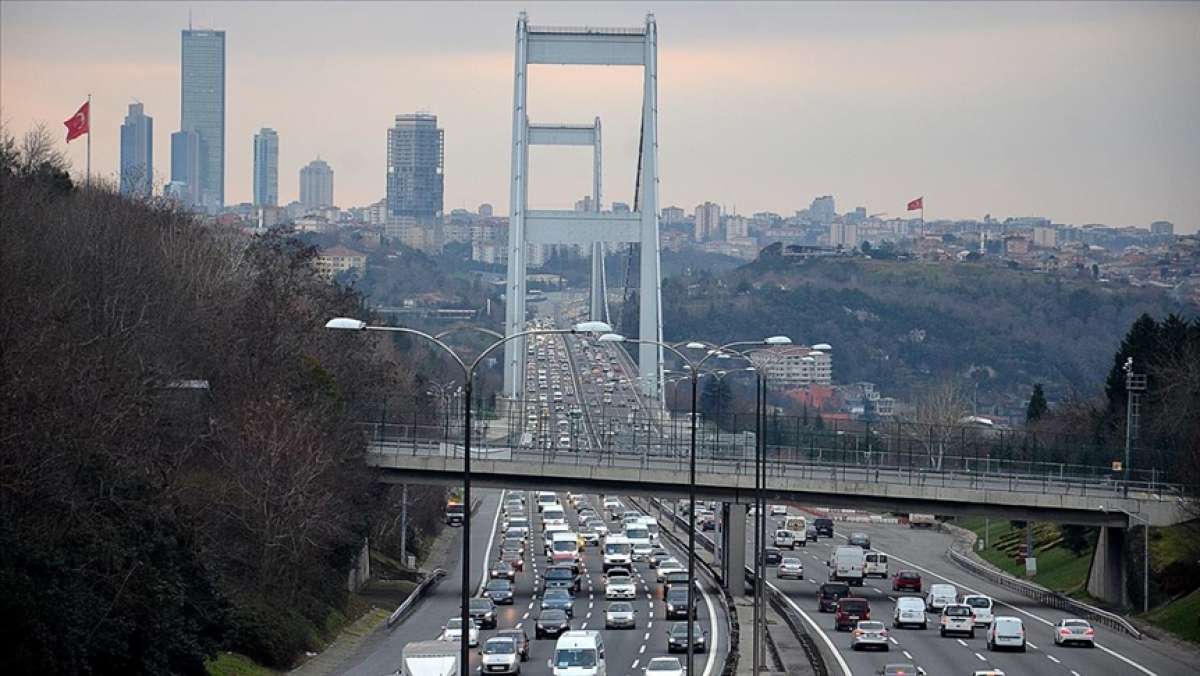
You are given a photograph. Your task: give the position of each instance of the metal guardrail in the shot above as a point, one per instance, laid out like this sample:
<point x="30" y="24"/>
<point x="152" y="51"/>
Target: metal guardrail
<point x="415" y="595"/>
<point x="1045" y="596"/>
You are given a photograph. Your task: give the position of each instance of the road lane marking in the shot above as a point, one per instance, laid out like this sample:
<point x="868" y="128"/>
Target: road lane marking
<point x="1031" y="645"/>
<point x="820" y="632"/>
<point x="907" y="655"/>
<point x="635" y="663"/>
<point x="1053" y="659"/>
<point x="894" y="641"/>
<point x="646" y="636"/>
<point x="981" y="657"/>
<point x="642" y="650"/>
<point x="961" y="642"/>
<point x="487" y="552"/>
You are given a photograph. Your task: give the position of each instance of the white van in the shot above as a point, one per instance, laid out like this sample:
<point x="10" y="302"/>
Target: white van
<point x="618" y="552"/>
<point x="1006" y="632"/>
<point x="548" y="533"/>
<point x="848" y="565"/>
<point x="651" y="525"/>
<point x="638" y="535"/>
<point x="545" y="498"/>
<point x="578" y="653"/>
<point x="876" y="564"/>
<point x="564" y="549"/>
<point x="554" y="515"/>
<point x="940" y="596"/>
<point x="909" y="610"/>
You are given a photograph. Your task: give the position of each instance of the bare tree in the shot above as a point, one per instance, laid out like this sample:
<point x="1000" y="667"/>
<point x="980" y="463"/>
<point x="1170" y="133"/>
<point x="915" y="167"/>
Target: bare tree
<point x="937" y="418"/>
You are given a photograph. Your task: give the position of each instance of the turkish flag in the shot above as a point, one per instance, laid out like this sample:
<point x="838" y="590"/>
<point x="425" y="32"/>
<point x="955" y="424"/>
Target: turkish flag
<point x="918" y="203"/>
<point x="78" y="124"/>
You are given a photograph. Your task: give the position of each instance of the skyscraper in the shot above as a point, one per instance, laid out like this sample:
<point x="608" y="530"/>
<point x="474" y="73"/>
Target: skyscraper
<point x="137" y="152"/>
<point x="266" y="168"/>
<point x="187" y="160"/>
<point x="316" y="185"/>
<point x="203" y="108"/>
<point x="414" y="169"/>
<point x="707" y="222"/>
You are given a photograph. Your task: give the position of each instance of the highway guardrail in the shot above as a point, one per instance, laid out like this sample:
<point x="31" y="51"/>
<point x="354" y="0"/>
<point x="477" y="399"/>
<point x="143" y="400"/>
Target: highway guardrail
<point x="415" y="595"/>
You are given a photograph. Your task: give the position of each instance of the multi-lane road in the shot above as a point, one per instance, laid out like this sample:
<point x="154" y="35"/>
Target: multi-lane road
<point x="1116" y="654"/>
<point x="628" y="650"/>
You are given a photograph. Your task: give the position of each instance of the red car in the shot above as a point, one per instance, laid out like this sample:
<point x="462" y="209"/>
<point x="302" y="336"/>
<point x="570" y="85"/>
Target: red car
<point x="907" y="580"/>
<point x="849" y="612"/>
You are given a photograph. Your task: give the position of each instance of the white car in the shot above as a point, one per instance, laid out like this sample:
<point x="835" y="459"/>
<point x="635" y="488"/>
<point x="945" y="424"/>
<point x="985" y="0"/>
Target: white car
<point x="778" y="510"/>
<point x="664" y="666"/>
<point x="667" y="566"/>
<point x="940" y="596"/>
<point x="618" y="586"/>
<point x="869" y="634"/>
<point x="981" y="607"/>
<point x="1074" y="631"/>
<point x="909" y="610"/>
<point x="620" y="615"/>
<point x="790" y="568"/>
<point x="1006" y="632"/>
<point x="500" y="656"/>
<point x="957" y="618"/>
<point x="452" y="632"/>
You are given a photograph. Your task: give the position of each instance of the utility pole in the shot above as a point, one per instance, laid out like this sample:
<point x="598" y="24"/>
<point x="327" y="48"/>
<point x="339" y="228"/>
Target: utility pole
<point x="1135" y="385"/>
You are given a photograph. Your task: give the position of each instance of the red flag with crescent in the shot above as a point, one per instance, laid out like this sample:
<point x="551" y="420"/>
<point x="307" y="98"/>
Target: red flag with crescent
<point x="918" y="203"/>
<point x="77" y="124"/>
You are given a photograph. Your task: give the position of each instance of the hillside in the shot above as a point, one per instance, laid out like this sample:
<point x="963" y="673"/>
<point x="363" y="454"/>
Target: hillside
<point x="905" y="324"/>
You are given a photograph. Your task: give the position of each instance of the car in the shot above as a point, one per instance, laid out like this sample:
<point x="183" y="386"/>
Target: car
<point x="677" y="604"/>
<point x="598" y="525"/>
<point x="590" y="535"/>
<point x="772" y="556"/>
<point x="906" y="580"/>
<point x="559" y="599"/>
<point x="502" y="570"/>
<point x="513" y="559"/>
<point x="520" y="638"/>
<point x="658" y="556"/>
<point x="517" y="543"/>
<point x="859" y="540"/>
<point x="850" y="610"/>
<point x="957" y="618"/>
<point x="677" y="638"/>
<point x="642" y="550"/>
<point x="452" y="632"/>
<point x="824" y="526"/>
<point x="901" y="669"/>
<point x="1006" y="632"/>
<point x="790" y="568"/>
<point x="981" y="607"/>
<point x="875" y="564"/>
<point x="940" y="596"/>
<point x="829" y="594"/>
<point x="674" y="579"/>
<point x="618" y="586"/>
<point x="1074" y="630"/>
<point x="664" y="666"/>
<point x="483" y="612"/>
<point x="987" y="672"/>
<point x="869" y="634"/>
<point x="666" y="567"/>
<point x="620" y="615"/>
<point x="560" y="577"/>
<point x="909" y="610"/>
<point x="500" y="656"/>
<point x="778" y="510"/>
<point x="551" y="623"/>
<point x="517" y="524"/>
<point x="500" y="591"/>
<point x="784" y="538"/>
<point x="811" y="534"/>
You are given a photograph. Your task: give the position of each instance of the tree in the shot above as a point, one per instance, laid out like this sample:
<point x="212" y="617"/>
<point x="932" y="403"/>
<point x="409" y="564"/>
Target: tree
<point x="1037" y="405"/>
<point x="937" y="419"/>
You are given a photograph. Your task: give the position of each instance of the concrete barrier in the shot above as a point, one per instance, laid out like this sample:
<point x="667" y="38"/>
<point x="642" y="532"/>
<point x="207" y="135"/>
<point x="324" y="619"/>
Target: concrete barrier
<point x="416" y="595"/>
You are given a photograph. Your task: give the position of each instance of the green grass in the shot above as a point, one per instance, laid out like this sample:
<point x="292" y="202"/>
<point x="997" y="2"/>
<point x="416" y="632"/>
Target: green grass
<point x="1058" y="568"/>
<point x="1180" y="617"/>
<point x="233" y="664"/>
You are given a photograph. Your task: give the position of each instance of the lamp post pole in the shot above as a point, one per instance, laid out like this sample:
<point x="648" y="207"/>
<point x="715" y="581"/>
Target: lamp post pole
<point x="468" y="371"/>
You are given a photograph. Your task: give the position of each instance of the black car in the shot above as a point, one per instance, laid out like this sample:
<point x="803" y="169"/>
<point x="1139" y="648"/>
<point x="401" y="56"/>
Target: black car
<point x="824" y="527"/>
<point x="811" y="534"/>
<point x="560" y="577"/>
<point x="502" y="570"/>
<point x="559" y="599"/>
<point x="674" y="579"/>
<point x="859" y="540"/>
<point x="677" y="638"/>
<point x="551" y="624"/>
<point x="483" y="611"/>
<point x="521" y="639"/>
<point x="500" y="591"/>
<point x="677" y="603"/>
<point x="829" y="594"/>
<point x="772" y="556"/>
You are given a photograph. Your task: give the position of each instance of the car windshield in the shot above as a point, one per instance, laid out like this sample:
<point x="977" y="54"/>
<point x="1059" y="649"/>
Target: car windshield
<point x="958" y="611"/>
<point x="481" y="604"/>
<point x="565" y="546"/>
<point x="617" y="548"/>
<point x="639" y="533"/>
<point x="618" y="577"/>
<point x="620" y="608"/>
<point x="559" y="574"/>
<point x="498" y="585"/>
<point x="500" y="646"/>
<point x="574" y="657"/>
<point x="870" y="626"/>
<point x="850" y="606"/>
<point x="790" y="562"/>
<point x="677" y="596"/>
<point x="553" y="616"/>
<point x="680" y="629"/>
<point x="664" y="664"/>
<point x="455" y="623"/>
<point x="1076" y="623"/>
<point x="978" y="602"/>
<point x="556" y="594"/>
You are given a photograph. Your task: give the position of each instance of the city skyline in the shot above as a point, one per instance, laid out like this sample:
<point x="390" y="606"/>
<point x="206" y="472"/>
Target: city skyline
<point x="1078" y="112"/>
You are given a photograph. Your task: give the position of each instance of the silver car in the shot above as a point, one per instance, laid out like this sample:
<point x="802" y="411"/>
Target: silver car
<point x="620" y="615"/>
<point x="1074" y="631"/>
<point x="869" y="634"/>
<point x="500" y="656"/>
<point x="790" y="568"/>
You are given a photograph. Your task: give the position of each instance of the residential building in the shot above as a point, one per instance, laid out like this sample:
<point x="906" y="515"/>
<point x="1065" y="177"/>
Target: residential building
<point x="266" y="168"/>
<point x="1162" y="228"/>
<point x="736" y="228"/>
<point x="137" y="152"/>
<point x="672" y="215"/>
<point x="415" y="164"/>
<point x="336" y="260"/>
<point x="584" y="204"/>
<point x="707" y="222"/>
<point x="1045" y="237"/>
<point x="822" y="209"/>
<point x="203" y="108"/>
<point x="1016" y="245"/>
<point x="316" y="185"/>
<point x="844" y="235"/>
<point x="187" y="159"/>
<point x="620" y="208"/>
<point x="796" y="366"/>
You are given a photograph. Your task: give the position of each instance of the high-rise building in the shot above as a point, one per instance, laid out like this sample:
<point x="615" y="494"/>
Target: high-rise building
<point x="266" y="168"/>
<point x="203" y="108"/>
<point x="584" y="204"/>
<point x="316" y="185"/>
<point x="707" y="222"/>
<point x="1045" y="237"/>
<point x="1162" y="228"/>
<point x="187" y="160"/>
<point x="137" y="152"/>
<point x="822" y="209"/>
<point x="672" y="215"/>
<point x="415" y="163"/>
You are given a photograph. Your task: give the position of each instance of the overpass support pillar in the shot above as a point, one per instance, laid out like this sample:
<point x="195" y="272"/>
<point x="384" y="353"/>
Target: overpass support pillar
<point x="1106" y="579"/>
<point x="733" y="548"/>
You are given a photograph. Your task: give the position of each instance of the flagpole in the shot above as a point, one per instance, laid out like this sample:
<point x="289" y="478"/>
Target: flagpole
<point x="87" y="177"/>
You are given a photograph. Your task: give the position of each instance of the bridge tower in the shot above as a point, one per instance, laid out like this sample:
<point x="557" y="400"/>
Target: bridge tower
<point x="585" y="46"/>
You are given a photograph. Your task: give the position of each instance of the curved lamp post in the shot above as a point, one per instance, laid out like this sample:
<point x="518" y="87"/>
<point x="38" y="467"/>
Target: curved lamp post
<point x="694" y="375"/>
<point x="349" y="324"/>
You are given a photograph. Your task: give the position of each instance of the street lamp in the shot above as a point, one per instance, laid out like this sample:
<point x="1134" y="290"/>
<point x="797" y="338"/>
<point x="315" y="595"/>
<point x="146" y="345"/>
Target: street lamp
<point x="1145" y="555"/>
<point x="693" y="367"/>
<point x="468" y="371"/>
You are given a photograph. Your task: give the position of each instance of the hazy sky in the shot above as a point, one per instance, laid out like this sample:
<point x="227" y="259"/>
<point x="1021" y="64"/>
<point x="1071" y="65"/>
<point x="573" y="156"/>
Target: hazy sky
<point x="1081" y="112"/>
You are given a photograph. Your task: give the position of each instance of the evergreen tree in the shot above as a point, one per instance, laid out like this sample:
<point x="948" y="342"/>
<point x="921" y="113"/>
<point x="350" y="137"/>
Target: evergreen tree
<point x="1037" y="404"/>
<point x="1141" y="343"/>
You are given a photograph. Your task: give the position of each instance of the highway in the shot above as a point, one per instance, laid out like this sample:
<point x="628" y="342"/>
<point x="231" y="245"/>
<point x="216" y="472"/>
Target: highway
<point x="924" y="551"/>
<point x="627" y="649"/>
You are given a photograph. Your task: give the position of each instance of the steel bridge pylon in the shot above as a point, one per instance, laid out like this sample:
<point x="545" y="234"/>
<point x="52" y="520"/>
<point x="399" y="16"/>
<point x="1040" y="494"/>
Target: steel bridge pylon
<point x="585" y="46"/>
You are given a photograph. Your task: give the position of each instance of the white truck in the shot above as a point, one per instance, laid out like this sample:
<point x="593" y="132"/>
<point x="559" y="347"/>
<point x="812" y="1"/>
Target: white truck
<point x="430" y="658"/>
<point x="848" y="565"/>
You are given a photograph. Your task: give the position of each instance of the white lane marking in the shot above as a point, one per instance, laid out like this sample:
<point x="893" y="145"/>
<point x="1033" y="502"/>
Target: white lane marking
<point x="894" y="641"/>
<point x="1053" y="659"/>
<point x="646" y="636"/>
<point x="1031" y="645"/>
<point x="650" y="623"/>
<point x="583" y="626"/>
<point x="531" y="604"/>
<point x="635" y="663"/>
<point x="907" y="655"/>
<point x="525" y="616"/>
<point x="487" y="553"/>
<point x="821" y="632"/>
<point x="981" y="657"/>
<point x="961" y="642"/>
<point x="642" y="650"/>
<point x="1043" y="620"/>
<point x="1074" y="673"/>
